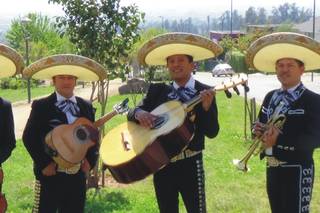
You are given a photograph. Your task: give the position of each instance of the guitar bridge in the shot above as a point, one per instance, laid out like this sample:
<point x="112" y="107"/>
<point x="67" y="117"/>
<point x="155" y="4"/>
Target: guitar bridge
<point x="125" y="143"/>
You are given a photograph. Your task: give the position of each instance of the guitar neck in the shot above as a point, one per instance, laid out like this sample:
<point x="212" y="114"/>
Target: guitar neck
<point x="231" y="83"/>
<point x="189" y="105"/>
<point x="105" y="118"/>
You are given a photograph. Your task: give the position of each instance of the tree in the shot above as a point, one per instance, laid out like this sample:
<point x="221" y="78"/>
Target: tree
<point x="44" y="37"/>
<point x="237" y="20"/>
<point x="101" y="29"/>
<point x="290" y="13"/>
<point x="262" y="16"/>
<point x="286" y="27"/>
<point x="251" y="16"/>
<point x="146" y="36"/>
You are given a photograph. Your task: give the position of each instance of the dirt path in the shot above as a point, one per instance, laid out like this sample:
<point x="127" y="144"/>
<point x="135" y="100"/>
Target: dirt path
<point x="21" y="110"/>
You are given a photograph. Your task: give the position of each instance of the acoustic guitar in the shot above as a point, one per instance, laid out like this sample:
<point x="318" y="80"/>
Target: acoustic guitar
<point x="68" y="143"/>
<point x="132" y="152"/>
<point x="3" y="200"/>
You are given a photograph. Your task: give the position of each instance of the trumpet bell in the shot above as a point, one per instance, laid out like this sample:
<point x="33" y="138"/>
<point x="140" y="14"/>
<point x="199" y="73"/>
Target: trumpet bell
<point x="240" y="165"/>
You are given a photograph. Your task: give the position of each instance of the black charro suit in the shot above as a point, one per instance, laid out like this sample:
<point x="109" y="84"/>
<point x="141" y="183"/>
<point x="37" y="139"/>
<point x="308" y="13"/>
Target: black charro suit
<point x="300" y="131"/>
<point x="289" y="185"/>
<point x="8" y="140"/>
<point x="61" y="188"/>
<point x="185" y="175"/>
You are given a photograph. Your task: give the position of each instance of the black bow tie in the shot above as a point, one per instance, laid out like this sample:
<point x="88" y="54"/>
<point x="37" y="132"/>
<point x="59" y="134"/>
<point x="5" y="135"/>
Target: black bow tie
<point x="68" y="106"/>
<point x="185" y="93"/>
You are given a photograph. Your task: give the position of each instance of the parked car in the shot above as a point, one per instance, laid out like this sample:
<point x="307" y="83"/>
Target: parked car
<point x="222" y="70"/>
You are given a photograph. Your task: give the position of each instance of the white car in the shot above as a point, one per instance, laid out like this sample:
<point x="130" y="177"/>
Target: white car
<point x="222" y="69"/>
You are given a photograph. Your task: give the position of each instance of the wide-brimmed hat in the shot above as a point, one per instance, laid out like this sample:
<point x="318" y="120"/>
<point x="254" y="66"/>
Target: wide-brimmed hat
<point x="263" y="54"/>
<point x="157" y="50"/>
<point x="85" y="69"/>
<point x="11" y="62"/>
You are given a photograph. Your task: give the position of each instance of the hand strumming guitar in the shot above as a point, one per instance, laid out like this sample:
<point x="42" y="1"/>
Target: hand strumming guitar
<point x="146" y="119"/>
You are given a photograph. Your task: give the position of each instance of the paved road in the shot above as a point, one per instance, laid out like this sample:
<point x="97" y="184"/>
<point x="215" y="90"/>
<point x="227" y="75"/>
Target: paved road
<point x="260" y="84"/>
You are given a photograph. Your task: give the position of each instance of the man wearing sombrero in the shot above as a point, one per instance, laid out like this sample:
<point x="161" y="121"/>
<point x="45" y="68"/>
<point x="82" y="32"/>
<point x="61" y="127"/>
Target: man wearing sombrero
<point x="289" y="152"/>
<point x="11" y="63"/>
<point x="184" y="174"/>
<point x="58" y="188"/>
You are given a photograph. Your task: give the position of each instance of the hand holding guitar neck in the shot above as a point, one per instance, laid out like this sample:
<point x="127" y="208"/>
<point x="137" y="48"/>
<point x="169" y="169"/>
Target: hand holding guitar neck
<point x="206" y="98"/>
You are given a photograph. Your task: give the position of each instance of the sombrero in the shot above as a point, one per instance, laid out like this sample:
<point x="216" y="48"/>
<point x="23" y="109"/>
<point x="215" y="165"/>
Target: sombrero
<point x="265" y="51"/>
<point x="156" y="50"/>
<point x="11" y="62"/>
<point x="85" y="69"/>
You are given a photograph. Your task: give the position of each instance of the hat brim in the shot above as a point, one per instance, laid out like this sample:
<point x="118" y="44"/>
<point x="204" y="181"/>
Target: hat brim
<point x="83" y="68"/>
<point x="263" y="54"/>
<point x="157" y="50"/>
<point x="11" y="62"/>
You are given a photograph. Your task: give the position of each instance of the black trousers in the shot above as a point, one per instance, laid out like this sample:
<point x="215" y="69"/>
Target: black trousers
<point x="63" y="193"/>
<point x="185" y="177"/>
<point x="289" y="187"/>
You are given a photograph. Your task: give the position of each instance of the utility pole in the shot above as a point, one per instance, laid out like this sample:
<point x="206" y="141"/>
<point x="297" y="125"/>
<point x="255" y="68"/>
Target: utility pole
<point x="313" y="27"/>
<point x="162" y="22"/>
<point x="231" y="18"/>
<point x="208" y="19"/>
<point x="25" y="21"/>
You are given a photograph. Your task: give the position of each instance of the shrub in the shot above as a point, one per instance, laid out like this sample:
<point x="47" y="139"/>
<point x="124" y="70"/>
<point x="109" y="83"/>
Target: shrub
<point x="4" y="84"/>
<point x="17" y="83"/>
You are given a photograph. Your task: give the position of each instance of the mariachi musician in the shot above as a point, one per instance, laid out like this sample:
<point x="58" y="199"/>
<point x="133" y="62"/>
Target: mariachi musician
<point x="184" y="174"/>
<point x="59" y="188"/>
<point x="289" y="152"/>
<point x="11" y="63"/>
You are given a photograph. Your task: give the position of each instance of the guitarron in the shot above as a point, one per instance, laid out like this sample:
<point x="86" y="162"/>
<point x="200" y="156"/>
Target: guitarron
<point x="68" y="143"/>
<point x="132" y="152"/>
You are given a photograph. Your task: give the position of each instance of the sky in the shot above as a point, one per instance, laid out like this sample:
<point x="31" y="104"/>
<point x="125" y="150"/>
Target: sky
<point x="155" y="8"/>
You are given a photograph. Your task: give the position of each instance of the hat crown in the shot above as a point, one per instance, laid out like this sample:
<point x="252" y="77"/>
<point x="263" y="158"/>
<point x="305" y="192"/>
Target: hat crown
<point x="156" y="50"/>
<point x="265" y="51"/>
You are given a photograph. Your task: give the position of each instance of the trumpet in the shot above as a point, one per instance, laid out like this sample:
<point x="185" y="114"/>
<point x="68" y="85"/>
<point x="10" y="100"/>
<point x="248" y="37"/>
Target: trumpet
<point x="277" y="120"/>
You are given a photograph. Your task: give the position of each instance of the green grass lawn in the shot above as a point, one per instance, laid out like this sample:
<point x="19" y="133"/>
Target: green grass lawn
<point x="14" y="95"/>
<point x="227" y="190"/>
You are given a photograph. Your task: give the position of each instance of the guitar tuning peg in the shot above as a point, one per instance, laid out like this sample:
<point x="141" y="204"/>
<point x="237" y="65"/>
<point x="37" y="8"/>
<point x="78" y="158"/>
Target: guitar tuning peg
<point x="246" y="88"/>
<point x="228" y="94"/>
<point x="235" y="88"/>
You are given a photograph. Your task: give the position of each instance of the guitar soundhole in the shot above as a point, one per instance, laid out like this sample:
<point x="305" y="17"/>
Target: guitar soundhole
<point x="160" y="121"/>
<point x="81" y="134"/>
